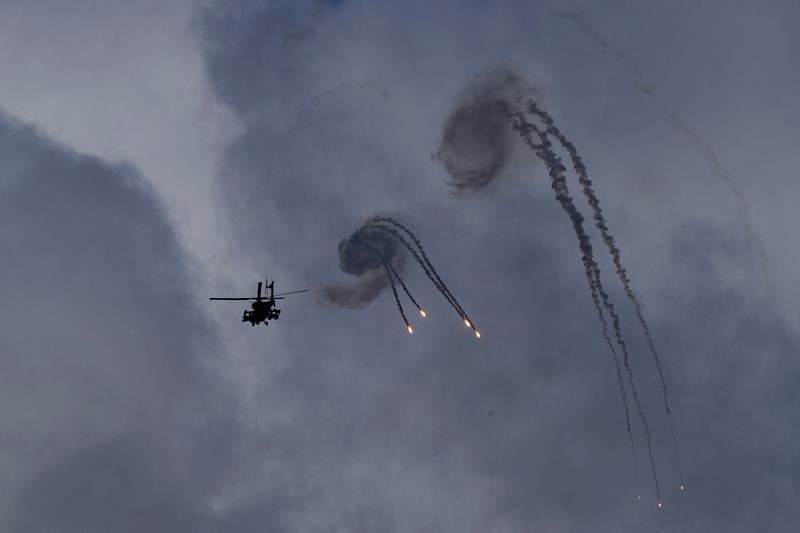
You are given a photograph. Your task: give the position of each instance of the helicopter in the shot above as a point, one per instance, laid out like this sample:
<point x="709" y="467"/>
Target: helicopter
<point x="263" y="309"/>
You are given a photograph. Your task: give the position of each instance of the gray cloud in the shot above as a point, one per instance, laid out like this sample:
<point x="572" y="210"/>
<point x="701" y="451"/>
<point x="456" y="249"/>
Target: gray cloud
<point x="110" y="413"/>
<point x="346" y="423"/>
<point x="553" y="454"/>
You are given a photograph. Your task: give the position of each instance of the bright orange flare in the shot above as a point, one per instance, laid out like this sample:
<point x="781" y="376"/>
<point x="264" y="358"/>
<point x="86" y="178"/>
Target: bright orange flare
<point x="683" y="488"/>
<point x="423" y="313"/>
<point x="410" y="329"/>
<point x="477" y="333"/>
<point x="467" y="323"/>
<point x="659" y="505"/>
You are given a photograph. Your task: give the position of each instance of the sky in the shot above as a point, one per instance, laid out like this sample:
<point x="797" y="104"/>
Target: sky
<point x="155" y="154"/>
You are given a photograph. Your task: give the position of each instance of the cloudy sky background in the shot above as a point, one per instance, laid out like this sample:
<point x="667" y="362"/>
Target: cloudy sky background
<point x="156" y="155"/>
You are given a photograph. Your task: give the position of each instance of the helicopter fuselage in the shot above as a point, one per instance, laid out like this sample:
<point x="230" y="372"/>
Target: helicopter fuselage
<point x="262" y="311"/>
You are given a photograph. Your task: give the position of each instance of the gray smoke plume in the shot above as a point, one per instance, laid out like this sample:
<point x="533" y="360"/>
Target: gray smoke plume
<point x="358" y="257"/>
<point x="476" y="142"/>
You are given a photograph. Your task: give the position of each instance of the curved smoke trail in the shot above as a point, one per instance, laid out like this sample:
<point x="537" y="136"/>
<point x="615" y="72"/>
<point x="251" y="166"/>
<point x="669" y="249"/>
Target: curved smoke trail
<point x="391" y="273"/>
<point x="422" y="258"/>
<point x="405" y="288"/>
<point x="556" y="170"/>
<point x="422" y="263"/>
<point x="616" y="256"/>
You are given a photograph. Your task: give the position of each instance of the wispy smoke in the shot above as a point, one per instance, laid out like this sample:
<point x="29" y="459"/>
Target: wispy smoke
<point x="679" y="123"/>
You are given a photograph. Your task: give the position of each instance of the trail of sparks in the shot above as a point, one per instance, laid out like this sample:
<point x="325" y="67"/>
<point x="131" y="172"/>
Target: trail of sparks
<point x="389" y="274"/>
<point x="600" y="223"/>
<point x="430" y="270"/>
<point x="418" y="258"/>
<point x="425" y="264"/>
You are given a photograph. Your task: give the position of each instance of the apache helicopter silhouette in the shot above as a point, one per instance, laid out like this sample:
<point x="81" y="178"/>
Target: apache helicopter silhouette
<point x="262" y="309"/>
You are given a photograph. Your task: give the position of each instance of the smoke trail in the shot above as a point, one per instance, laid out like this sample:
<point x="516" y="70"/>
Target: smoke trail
<point x="405" y="288"/>
<point x="600" y="223"/>
<point x="419" y="259"/>
<point x="432" y="273"/>
<point x="596" y="301"/>
<point x="391" y="273"/>
<point x="556" y="170"/>
<point x="620" y="381"/>
<point x="375" y="245"/>
<point x="426" y="265"/>
<point x="680" y="124"/>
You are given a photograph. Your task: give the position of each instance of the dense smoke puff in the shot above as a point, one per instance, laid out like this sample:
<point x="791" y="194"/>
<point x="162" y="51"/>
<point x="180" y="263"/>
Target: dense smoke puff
<point x="476" y="141"/>
<point x="361" y="260"/>
<point x="357" y="258"/>
<point x="475" y="146"/>
<point x="357" y="295"/>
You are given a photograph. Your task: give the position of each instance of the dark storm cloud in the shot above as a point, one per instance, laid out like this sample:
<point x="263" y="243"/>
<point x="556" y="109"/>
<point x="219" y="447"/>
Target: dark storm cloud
<point x="109" y="411"/>
<point x="111" y="487"/>
<point x="380" y="430"/>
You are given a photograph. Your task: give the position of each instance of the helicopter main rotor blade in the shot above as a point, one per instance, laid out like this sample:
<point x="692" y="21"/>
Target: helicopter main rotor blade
<point x="237" y="299"/>
<point x="293" y="292"/>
